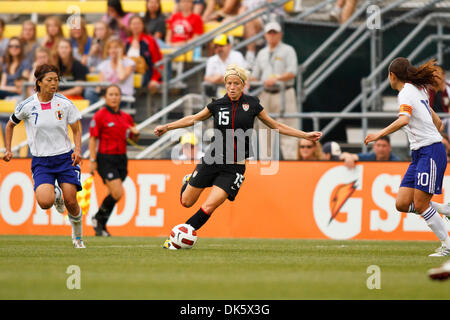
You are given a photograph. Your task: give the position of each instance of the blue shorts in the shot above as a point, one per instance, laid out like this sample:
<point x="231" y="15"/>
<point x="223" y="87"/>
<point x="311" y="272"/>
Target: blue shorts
<point x="427" y="169"/>
<point x="59" y="168"/>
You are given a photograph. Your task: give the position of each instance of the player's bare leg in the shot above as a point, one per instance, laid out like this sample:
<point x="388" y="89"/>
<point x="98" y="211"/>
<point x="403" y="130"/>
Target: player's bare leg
<point x="45" y="195"/>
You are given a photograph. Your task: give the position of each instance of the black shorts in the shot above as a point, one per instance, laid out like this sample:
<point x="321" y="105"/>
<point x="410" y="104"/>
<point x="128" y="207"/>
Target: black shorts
<point x="228" y="177"/>
<point x="112" y="166"/>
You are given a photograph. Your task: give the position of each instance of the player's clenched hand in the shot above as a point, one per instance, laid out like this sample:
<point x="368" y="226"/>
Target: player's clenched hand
<point x="313" y="136"/>
<point x="8" y="156"/>
<point x="76" y="158"/>
<point x="160" y="130"/>
<point x="371" y="137"/>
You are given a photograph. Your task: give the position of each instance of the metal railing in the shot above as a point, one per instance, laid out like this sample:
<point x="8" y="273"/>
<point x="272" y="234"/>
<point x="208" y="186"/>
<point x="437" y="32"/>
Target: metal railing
<point x="241" y="19"/>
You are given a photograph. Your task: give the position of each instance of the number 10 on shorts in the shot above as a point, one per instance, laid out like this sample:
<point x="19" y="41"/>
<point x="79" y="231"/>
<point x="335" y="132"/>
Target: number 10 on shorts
<point x="422" y="179"/>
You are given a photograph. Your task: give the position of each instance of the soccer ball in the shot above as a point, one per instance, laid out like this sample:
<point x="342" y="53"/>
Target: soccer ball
<point x="183" y="236"/>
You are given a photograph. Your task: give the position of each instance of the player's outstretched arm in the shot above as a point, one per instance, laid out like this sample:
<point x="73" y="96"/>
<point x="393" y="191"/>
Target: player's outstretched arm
<point x="183" y="122"/>
<point x="402" y="121"/>
<point x="8" y="139"/>
<point x="286" y="130"/>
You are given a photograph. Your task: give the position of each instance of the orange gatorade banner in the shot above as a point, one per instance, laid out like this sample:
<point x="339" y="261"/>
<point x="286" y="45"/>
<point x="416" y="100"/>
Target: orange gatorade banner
<point x="316" y="200"/>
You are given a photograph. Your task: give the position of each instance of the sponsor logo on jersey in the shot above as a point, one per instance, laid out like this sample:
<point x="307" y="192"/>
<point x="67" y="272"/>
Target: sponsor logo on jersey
<point x="245" y="106"/>
<point x="110" y="124"/>
<point x="59" y="115"/>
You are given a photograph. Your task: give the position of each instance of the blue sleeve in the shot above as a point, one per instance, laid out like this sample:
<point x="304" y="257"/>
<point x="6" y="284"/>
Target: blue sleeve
<point x="367" y="156"/>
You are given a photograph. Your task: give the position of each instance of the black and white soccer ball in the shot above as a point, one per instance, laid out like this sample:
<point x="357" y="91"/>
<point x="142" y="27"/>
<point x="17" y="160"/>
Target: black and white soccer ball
<point x="183" y="236"/>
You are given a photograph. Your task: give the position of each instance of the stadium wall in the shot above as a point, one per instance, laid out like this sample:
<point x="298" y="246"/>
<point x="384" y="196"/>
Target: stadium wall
<point x="314" y="200"/>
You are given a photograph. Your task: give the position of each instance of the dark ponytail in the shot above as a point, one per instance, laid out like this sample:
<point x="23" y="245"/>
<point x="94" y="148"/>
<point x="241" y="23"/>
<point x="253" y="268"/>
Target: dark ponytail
<point x="421" y="76"/>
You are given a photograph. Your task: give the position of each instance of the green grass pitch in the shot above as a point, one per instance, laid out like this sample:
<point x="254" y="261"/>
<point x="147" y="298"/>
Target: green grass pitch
<point x="34" y="267"/>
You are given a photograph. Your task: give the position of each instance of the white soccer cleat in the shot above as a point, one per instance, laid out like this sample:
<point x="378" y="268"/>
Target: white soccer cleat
<point x="441" y="273"/>
<point x="186" y="178"/>
<point x="78" y="243"/>
<point x="59" y="201"/>
<point x="443" y="251"/>
<point x="168" y="245"/>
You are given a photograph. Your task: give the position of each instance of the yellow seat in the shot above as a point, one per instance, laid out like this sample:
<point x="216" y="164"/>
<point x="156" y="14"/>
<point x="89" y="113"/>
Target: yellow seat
<point x="2" y="141"/>
<point x="289" y="6"/>
<point x="137" y="80"/>
<point x="82" y="7"/>
<point x="18" y="137"/>
<point x="81" y="104"/>
<point x="7" y="106"/>
<point x="237" y="32"/>
<point x="92" y="77"/>
<point x="186" y="57"/>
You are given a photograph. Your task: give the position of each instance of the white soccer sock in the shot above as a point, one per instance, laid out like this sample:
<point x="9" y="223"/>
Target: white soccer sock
<point x="77" y="225"/>
<point x="412" y="209"/>
<point x="434" y="221"/>
<point x="442" y="208"/>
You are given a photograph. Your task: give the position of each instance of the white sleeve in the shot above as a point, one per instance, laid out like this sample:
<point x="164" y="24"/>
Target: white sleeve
<point x="405" y="105"/>
<point x="20" y="113"/>
<point x="73" y="114"/>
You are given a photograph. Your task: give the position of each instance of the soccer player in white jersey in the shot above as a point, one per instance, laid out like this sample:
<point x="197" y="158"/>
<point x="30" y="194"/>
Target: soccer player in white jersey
<point x="424" y="176"/>
<point x="46" y="115"/>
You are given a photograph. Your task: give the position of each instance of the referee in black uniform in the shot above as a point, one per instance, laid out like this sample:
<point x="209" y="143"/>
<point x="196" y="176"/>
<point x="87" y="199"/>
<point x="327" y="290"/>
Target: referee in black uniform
<point x="223" y="167"/>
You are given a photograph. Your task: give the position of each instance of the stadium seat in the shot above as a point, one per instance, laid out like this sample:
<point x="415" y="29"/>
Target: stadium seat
<point x="70" y="7"/>
<point x="81" y="104"/>
<point x="187" y="57"/>
<point x="237" y="32"/>
<point x="20" y="136"/>
<point x="93" y="77"/>
<point x="7" y="106"/>
<point x="2" y="140"/>
<point x="289" y="6"/>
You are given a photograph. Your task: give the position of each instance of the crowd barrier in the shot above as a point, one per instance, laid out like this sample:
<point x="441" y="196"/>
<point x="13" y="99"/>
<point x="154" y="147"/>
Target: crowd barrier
<point x="314" y="200"/>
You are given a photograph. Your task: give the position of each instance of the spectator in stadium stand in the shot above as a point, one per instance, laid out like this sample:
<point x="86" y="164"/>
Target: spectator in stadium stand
<point x="117" y="19"/>
<point x="29" y="40"/>
<point x="253" y="27"/>
<point x="81" y="42"/>
<point x="183" y="26"/>
<point x="440" y="95"/>
<point x="3" y="41"/>
<point x="343" y="10"/>
<point x="155" y="22"/>
<point x="331" y="150"/>
<point x="101" y="35"/>
<point x="199" y="6"/>
<point x="219" y="10"/>
<point x="309" y="150"/>
<point x="53" y="27"/>
<point x="110" y="158"/>
<point x="70" y="68"/>
<point x="189" y="147"/>
<point x="41" y="56"/>
<point x="381" y="151"/>
<point x="277" y="62"/>
<point x="218" y="63"/>
<point x="143" y="49"/>
<point x="14" y="67"/>
<point x="116" y="69"/>
<point x="439" y="98"/>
